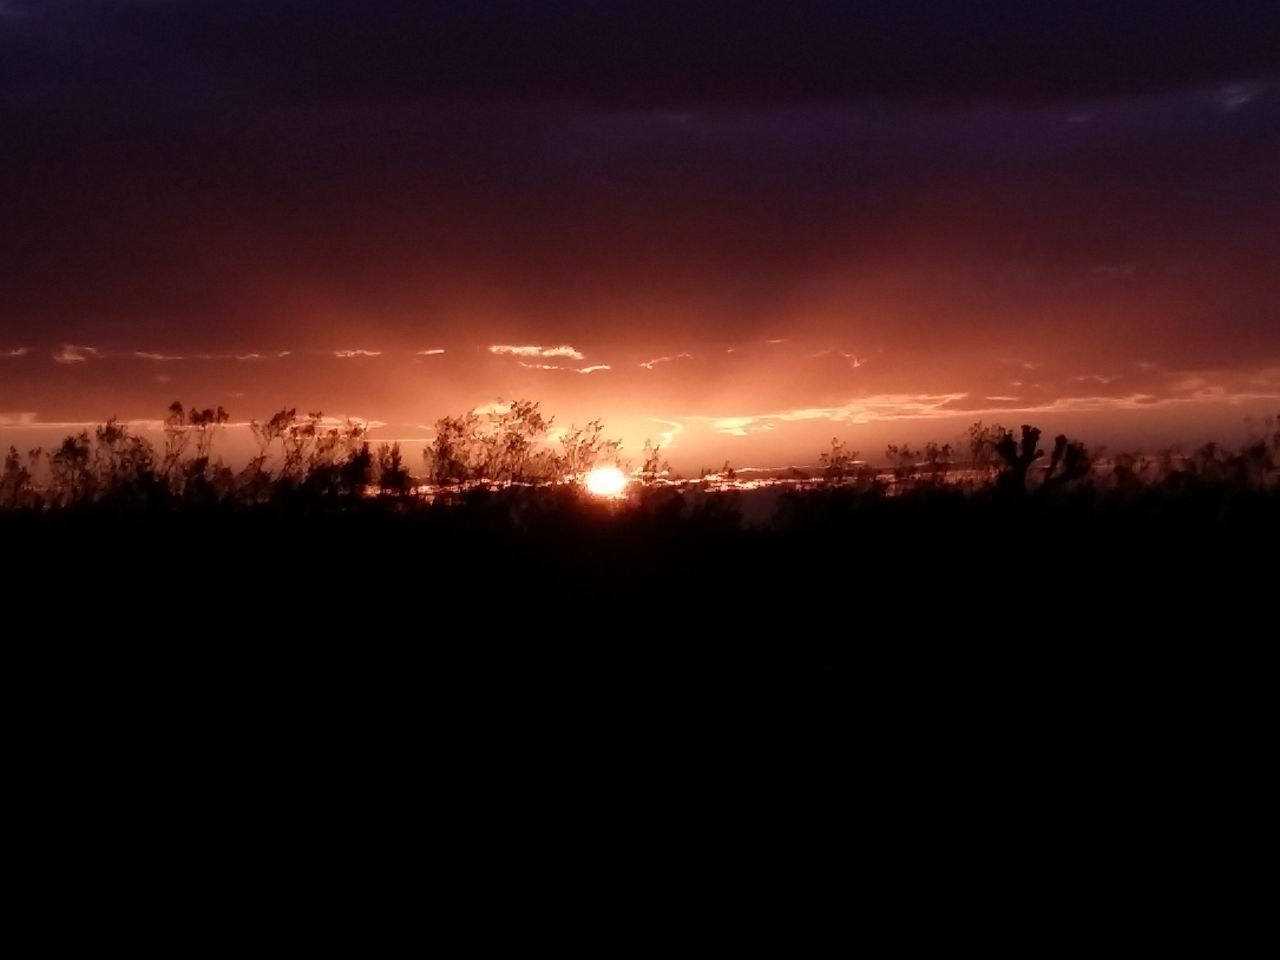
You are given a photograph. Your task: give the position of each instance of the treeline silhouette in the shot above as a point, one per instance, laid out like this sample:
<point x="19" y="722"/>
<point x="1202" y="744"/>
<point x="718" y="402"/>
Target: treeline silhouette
<point x="313" y="462"/>
<point x="493" y="502"/>
<point x="327" y="585"/>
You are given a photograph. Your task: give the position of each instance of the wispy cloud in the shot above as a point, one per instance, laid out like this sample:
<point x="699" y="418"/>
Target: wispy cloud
<point x="888" y="407"/>
<point x="532" y="350"/>
<point x="594" y="368"/>
<point x="429" y="353"/>
<point x="74" y="353"/>
<point x="667" y="438"/>
<point x="741" y="426"/>
<point x="27" y="420"/>
<point x="242" y="357"/>
<point x="348" y="354"/>
<point x="1095" y="378"/>
<point x="650" y="364"/>
<point x="855" y="361"/>
<point x="342" y="420"/>
<point x="1236" y="95"/>
<point x="161" y="357"/>
<point x="894" y="406"/>
<point x="15" y="352"/>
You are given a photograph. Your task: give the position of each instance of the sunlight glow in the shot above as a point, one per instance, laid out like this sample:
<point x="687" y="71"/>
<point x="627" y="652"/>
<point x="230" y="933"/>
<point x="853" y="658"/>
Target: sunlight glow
<point x="606" y="482"/>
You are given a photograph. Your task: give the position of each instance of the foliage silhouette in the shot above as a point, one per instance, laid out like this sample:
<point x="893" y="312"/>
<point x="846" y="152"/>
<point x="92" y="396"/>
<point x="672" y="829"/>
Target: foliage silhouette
<point x="314" y="460"/>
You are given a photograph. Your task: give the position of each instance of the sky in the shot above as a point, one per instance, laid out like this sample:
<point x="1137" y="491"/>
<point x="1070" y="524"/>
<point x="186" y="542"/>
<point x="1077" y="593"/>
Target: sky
<point x="735" y="228"/>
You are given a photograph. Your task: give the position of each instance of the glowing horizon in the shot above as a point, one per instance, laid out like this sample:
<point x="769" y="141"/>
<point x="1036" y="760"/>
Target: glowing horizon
<point x="747" y="235"/>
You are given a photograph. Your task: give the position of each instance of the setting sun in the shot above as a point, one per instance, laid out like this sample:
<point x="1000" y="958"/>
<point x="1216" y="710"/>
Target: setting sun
<point x="606" y="482"/>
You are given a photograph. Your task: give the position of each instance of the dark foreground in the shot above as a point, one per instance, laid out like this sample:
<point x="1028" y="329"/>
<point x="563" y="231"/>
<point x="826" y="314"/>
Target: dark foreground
<point x="872" y="704"/>
<point x="841" y="590"/>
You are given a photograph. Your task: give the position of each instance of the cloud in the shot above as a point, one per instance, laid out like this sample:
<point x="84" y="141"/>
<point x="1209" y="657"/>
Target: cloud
<point x="15" y="352"/>
<point x="429" y="353"/>
<point x="741" y="426"/>
<point x="667" y="438"/>
<point x="74" y="353"/>
<point x="1236" y="95"/>
<point x="341" y="420"/>
<point x="594" y="368"/>
<point x="650" y="364"/>
<point x="680" y="56"/>
<point x="896" y="406"/>
<point x="545" y="353"/>
<point x="28" y="420"/>
<point x="249" y="357"/>
<point x="855" y="361"/>
<point x="162" y="357"/>
<point x="348" y="354"/>
<point x="1185" y="389"/>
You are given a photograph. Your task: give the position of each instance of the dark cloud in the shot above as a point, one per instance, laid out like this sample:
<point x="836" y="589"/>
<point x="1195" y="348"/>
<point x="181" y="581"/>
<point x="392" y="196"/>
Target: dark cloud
<point x="662" y="53"/>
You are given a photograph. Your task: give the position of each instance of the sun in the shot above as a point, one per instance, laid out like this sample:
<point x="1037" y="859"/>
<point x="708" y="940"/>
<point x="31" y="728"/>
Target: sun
<point x="606" y="482"/>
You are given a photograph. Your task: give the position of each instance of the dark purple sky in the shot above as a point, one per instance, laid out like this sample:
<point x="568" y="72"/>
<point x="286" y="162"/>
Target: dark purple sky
<point x="882" y="220"/>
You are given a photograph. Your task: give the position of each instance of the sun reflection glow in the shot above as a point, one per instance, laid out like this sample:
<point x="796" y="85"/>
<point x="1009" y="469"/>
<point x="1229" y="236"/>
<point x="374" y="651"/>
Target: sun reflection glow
<point x="606" y="482"/>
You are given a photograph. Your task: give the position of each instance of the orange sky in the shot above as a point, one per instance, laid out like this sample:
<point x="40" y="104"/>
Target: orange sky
<point x="749" y="230"/>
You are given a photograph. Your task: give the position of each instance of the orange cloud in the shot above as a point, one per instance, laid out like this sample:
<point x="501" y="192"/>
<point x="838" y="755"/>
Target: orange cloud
<point x="163" y="357"/>
<point x="532" y="350"/>
<point x="650" y="364"/>
<point x="74" y="353"/>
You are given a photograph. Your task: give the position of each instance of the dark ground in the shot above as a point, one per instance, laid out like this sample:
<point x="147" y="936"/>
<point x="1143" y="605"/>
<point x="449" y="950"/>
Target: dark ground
<point x="1044" y="716"/>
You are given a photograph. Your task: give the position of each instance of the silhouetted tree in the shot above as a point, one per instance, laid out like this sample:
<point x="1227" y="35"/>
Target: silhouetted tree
<point x="1016" y="458"/>
<point x="1129" y="471"/>
<point x="935" y="461"/>
<point x="17" y="489"/>
<point x="500" y="446"/>
<point x="726" y="472"/>
<point x="393" y="478"/>
<point x="71" y="471"/>
<point x="1069" y="462"/>
<point x="194" y="430"/>
<point x="982" y="439"/>
<point x="903" y="461"/>
<point x="652" y="466"/>
<point x="839" y="462"/>
<point x="583" y="449"/>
